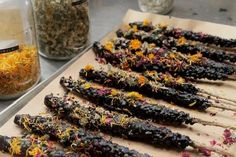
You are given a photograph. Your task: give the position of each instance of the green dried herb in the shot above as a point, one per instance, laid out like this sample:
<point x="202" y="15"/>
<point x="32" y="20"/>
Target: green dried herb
<point x="62" y="27"/>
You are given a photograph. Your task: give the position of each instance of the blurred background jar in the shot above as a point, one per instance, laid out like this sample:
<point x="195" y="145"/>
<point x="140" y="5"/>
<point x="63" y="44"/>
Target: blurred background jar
<point x="156" y="6"/>
<point x="19" y="62"/>
<point x="62" y="27"/>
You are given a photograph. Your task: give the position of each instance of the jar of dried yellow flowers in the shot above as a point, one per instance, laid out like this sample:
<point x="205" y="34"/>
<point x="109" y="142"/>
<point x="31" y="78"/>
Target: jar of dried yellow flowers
<point x="19" y="62"/>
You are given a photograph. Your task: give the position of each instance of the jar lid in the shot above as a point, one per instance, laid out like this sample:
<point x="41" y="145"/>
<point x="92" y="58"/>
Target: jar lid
<point x="7" y="46"/>
<point x="78" y="2"/>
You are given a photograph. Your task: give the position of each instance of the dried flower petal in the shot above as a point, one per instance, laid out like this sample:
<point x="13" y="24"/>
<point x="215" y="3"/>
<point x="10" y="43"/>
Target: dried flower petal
<point x="213" y="142"/>
<point x="135" y="95"/>
<point x="185" y="154"/>
<point x="87" y="85"/>
<point x="142" y="80"/>
<point x="146" y="22"/>
<point x="151" y="56"/>
<point x="229" y="137"/>
<point x="181" y="41"/>
<point x="205" y="151"/>
<point x="139" y="53"/>
<point x="135" y="44"/>
<point x="114" y="92"/>
<point x="180" y="80"/>
<point x="88" y="67"/>
<point x="15" y="146"/>
<point x="195" y="58"/>
<point x="134" y="28"/>
<point x="162" y="25"/>
<point x="109" y="46"/>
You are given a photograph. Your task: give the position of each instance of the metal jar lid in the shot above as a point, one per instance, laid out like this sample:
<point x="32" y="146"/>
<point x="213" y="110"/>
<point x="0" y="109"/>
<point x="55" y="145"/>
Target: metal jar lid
<point x="7" y="46"/>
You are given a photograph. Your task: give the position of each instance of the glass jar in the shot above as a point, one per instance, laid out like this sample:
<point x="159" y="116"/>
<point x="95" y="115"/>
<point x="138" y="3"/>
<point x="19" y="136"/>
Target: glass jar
<point x="156" y="6"/>
<point x="62" y="27"/>
<point x="19" y="62"/>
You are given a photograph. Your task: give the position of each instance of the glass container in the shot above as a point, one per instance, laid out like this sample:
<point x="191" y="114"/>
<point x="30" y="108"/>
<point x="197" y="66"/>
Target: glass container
<point x="156" y="6"/>
<point x="62" y="27"/>
<point x="19" y="62"/>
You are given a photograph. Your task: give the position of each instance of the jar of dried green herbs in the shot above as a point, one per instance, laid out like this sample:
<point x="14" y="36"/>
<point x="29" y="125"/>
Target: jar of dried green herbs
<point x="19" y="61"/>
<point x="62" y="27"/>
<point x="156" y="6"/>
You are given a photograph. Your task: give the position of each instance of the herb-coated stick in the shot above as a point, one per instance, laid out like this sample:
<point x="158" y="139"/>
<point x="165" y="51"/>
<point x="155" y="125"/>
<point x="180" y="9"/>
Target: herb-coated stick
<point x="134" y="63"/>
<point x="152" y="78"/>
<point x="191" y="35"/>
<point x="189" y="46"/>
<point x="121" y="125"/>
<point x="164" y="41"/>
<point x="180" y="84"/>
<point x="79" y="140"/>
<point x="131" y="82"/>
<point x="202" y="37"/>
<point x="32" y="147"/>
<point x="116" y="124"/>
<point x="132" y="104"/>
<point x="137" y="42"/>
<point x="139" y="83"/>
